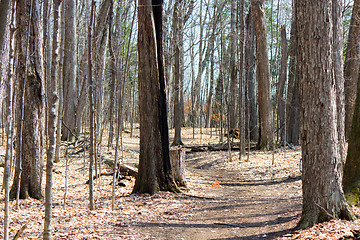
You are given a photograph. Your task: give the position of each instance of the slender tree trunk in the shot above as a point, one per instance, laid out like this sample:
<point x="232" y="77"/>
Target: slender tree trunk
<point x="318" y="30"/>
<point x="233" y="70"/>
<point x="154" y="164"/>
<point x="52" y="118"/>
<point x="263" y="76"/>
<point x="9" y="126"/>
<point x="177" y="72"/>
<point x="281" y="85"/>
<point x="352" y="65"/>
<point x="92" y="106"/>
<point x="293" y="92"/>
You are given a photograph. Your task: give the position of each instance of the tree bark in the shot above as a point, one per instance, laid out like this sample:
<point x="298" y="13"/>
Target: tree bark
<point x="177" y="24"/>
<point x="249" y="75"/>
<point x="263" y="76"/>
<point x="233" y="71"/>
<point x="4" y="9"/>
<point x="323" y="197"/>
<point x="281" y="85"/>
<point x="31" y="93"/>
<point x="293" y="91"/>
<point x="155" y="171"/>
<point x="52" y="124"/>
<point x="69" y="71"/>
<point x="352" y="65"/>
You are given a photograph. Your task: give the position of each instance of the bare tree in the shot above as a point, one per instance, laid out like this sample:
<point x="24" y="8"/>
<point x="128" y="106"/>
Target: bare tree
<point x="52" y="124"/>
<point x="154" y="164"/>
<point x="263" y="76"/>
<point x="31" y="92"/>
<point x="318" y="34"/>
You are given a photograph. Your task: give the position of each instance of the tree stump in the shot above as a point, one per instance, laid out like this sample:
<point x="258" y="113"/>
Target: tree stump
<point x="177" y="157"/>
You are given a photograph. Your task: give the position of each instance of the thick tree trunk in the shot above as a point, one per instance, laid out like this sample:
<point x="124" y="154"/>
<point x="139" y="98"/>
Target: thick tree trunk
<point x="352" y="65"/>
<point x="263" y="76"/>
<point x="31" y="99"/>
<point x="249" y="75"/>
<point x="69" y="71"/>
<point x="323" y="197"/>
<point x="154" y="164"/>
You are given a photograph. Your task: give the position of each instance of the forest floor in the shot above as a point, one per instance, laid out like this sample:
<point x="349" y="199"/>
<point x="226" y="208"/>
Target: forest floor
<point x="226" y="198"/>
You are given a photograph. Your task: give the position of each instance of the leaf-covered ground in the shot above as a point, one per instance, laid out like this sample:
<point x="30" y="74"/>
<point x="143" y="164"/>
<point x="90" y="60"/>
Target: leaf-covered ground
<point x="226" y="198"/>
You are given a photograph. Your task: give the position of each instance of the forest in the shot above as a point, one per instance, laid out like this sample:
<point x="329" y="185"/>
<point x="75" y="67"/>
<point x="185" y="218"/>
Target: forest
<point x="198" y="119"/>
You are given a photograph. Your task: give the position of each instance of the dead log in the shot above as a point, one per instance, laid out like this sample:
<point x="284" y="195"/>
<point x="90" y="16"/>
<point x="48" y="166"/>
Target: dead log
<point x="177" y="158"/>
<point x="218" y="147"/>
<point x="125" y="169"/>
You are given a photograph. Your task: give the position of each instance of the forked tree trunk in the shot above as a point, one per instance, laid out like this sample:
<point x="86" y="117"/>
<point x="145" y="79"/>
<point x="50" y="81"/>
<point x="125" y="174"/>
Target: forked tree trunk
<point x="318" y="30"/>
<point x="154" y="164"/>
<point x="263" y="76"/>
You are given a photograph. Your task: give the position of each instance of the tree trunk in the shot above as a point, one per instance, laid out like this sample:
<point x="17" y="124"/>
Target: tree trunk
<point x="323" y="197"/>
<point x="91" y="93"/>
<point x="352" y="65"/>
<point x="293" y="92"/>
<point x="249" y="75"/>
<point x="177" y="157"/>
<point x="351" y="181"/>
<point x="281" y="85"/>
<point x="263" y="76"/>
<point x="155" y="171"/>
<point x="4" y="8"/>
<point x="69" y="71"/>
<point x="52" y="123"/>
<point x="31" y="100"/>
<point x="233" y="71"/>
<point x="177" y="24"/>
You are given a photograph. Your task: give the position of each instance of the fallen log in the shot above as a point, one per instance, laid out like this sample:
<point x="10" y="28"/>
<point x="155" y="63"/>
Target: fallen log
<point x="125" y="169"/>
<point x="218" y="147"/>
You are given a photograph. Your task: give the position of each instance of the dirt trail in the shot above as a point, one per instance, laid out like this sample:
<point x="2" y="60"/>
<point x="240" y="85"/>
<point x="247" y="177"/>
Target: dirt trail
<point x="252" y="201"/>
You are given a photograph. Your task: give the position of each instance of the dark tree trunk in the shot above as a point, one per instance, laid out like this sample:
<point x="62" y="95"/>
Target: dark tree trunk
<point x="4" y="8"/>
<point x="69" y="71"/>
<point x="323" y="197"/>
<point x="351" y="180"/>
<point x="263" y="76"/>
<point x="177" y="24"/>
<point x="293" y="92"/>
<point x="31" y="99"/>
<point x="281" y="85"/>
<point x="352" y="65"/>
<point x="249" y="75"/>
<point x="233" y="71"/>
<point x="154" y="164"/>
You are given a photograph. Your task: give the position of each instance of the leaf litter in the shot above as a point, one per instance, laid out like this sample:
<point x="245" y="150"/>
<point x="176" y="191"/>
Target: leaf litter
<point x="214" y="179"/>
